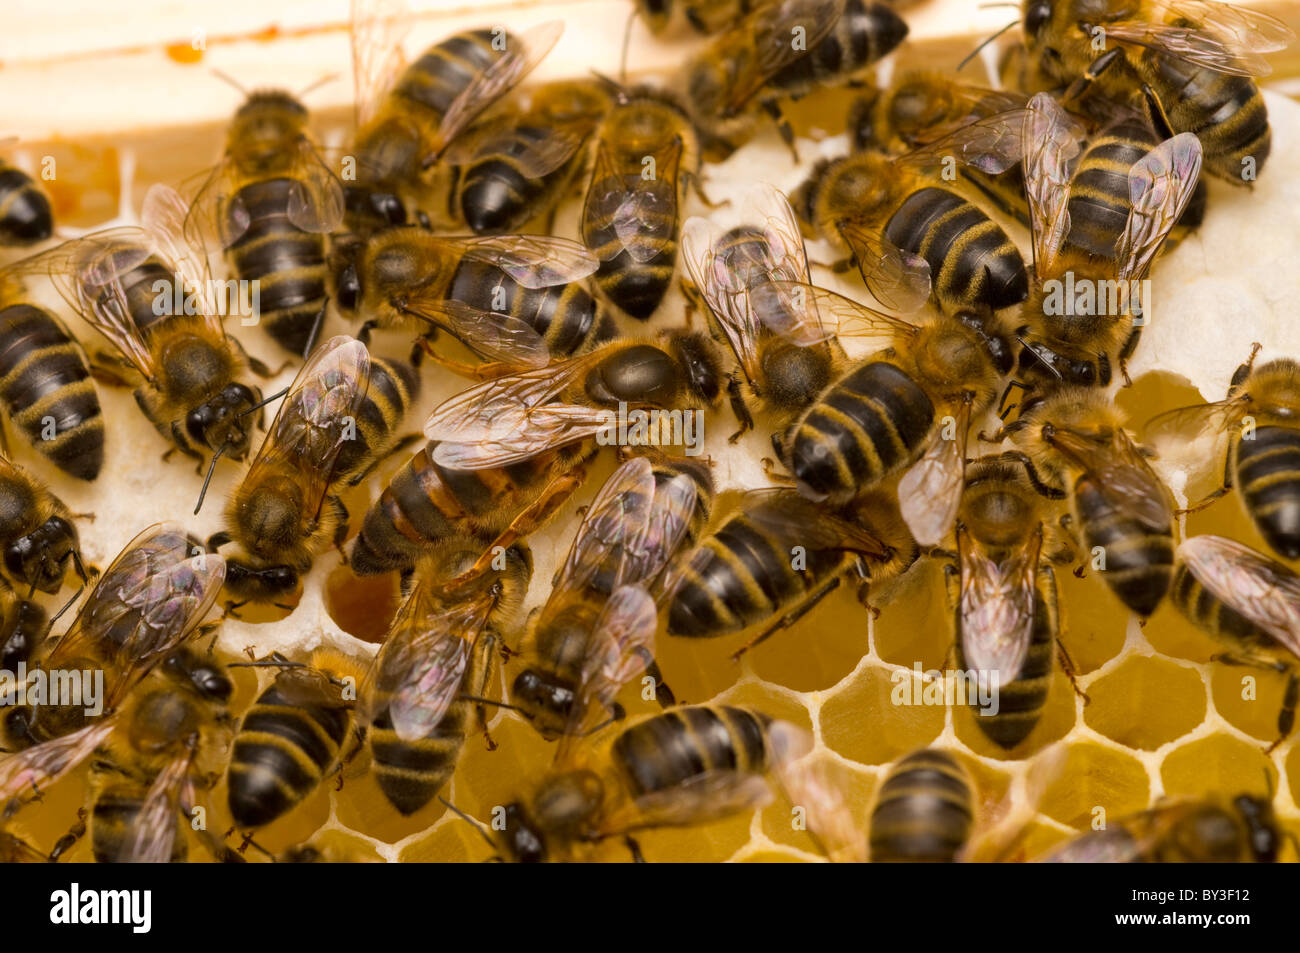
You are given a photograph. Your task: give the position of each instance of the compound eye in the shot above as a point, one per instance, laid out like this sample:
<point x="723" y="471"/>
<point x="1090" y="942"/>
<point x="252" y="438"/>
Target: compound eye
<point x="349" y="289"/>
<point x="1037" y="15"/>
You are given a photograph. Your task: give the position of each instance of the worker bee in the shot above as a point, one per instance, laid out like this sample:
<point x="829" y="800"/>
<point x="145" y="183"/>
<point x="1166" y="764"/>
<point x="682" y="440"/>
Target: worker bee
<point x="513" y="299"/>
<point x="45" y="384"/>
<point x="783" y="50"/>
<point x="1192" y="61"/>
<point x="1257" y="418"/>
<point x="293" y="735"/>
<point x="127" y="283"/>
<point x="514" y="171"/>
<point x="285" y="512"/>
<point x="439" y="647"/>
<point x="406" y="121"/>
<point x="1250" y="603"/>
<point x="647" y="151"/>
<point x="688" y="765"/>
<point x="603" y="592"/>
<point x="1083" y="311"/>
<point x="150" y="600"/>
<point x="37" y="536"/>
<point x="273" y="202"/>
<point x="1003" y="588"/>
<point x="786" y="356"/>
<point x="1124" y="512"/>
<point x="25" y="216"/>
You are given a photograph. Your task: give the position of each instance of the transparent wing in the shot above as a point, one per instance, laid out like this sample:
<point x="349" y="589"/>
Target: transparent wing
<point x="615" y="518"/>
<point x="642" y="212"/>
<point x="1160" y="185"/>
<point x="1121" y="473"/>
<point x="535" y="261"/>
<point x="316" y="196"/>
<point x="25" y="775"/>
<point x="838" y="316"/>
<point x="929" y="493"/>
<point x="801" y="522"/>
<point x="706" y="797"/>
<point x="726" y="299"/>
<point x="1192" y="423"/>
<point x="991" y="144"/>
<point x="996" y="608"/>
<point x="771" y="28"/>
<point x="152" y="833"/>
<point x="1219" y="36"/>
<point x="1052" y="141"/>
<point x="820" y="787"/>
<point x="535" y="158"/>
<point x="493" y="335"/>
<point x="163" y="216"/>
<point x="897" y="279"/>
<point x="543" y="428"/>
<point x="1261" y="589"/>
<point x="378" y="29"/>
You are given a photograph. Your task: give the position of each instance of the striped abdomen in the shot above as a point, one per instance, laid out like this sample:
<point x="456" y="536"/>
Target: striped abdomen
<point x="46" y="389"/>
<point x="973" y="263"/>
<point x="287" y="263"/>
<point x="497" y="196"/>
<point x="565" y="315"/>
<point x="150" y="287"/>
<point x="1021" y="702"/>
<point x="864" y="33"/>
<point x="445" y="70"/>
<point x="393" y="386"/>
<point x="1212" y="616"/>
<point x="280" y="755"/>
<point x="869" y="424"/>
<point x="1139" y="561"/>
<point x="25" y="216"/>
<point x="637" y="287"/>
<point x="1268" y="476"/>
<point x="1227" y="113"/>
<point x="741" y="576"/>
<point x="111" y="824"/>
<point x="924" y="811"/>
<point x="678" y="746"/>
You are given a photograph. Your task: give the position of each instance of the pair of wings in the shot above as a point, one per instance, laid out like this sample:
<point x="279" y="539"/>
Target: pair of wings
<point x="378" y="30"/>
<point x="1121" y="473"/>
<point x="317" y="416"/>
<point x="531" y="261"/>
<point x="1261" y="589"/>
<point x="1128" y="840"/>
<point x="995" y="606"/>
<point x="642" y="212"/>
<point x="1160" y="185"/>
<point x="145" y="604"/>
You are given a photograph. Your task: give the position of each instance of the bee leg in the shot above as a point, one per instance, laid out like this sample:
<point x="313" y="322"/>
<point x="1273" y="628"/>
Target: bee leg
<point x="634" y="849"/>
<point x="423" y="347"/>
<point x="773" y="109"/>
<point x="1156" y="113"/>
<point x="1039" y="484"/>
<point x="364" y="332"/>
<point x="1286" y="715"/>
<point x="769" y="470"/>
<point x="1083" y="84"/>
<point x="74" y="834"/>
<point x="791" y="617"/>
<point x="739" y="408"/>
<point x="263" y="370"/>
<point x="109" y="370"/>
<point x="1068" y="667"/>
<point x="397" y="448"/>
<point x="663" y="694"/>
<point x="1004" y="409"/>
<point x="485" y="652"/>
<point x="697" y="186"/>
<point x="1222" y="491"/>
<point x="217" y="540"/>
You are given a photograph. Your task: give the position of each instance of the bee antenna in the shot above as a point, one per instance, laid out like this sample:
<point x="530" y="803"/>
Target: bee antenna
<point x="469" y="819"/>
<point x="612" y="83"/>
<point x="478" y="699"/>
<point x="263" y="402"/>
<point x="312" y="87"/>
<point x="208" y="479"/>
<point x="627" y="41"/>
<point x="975" y="52"/>
<point x="67" y="605"/>
<point x="227" y="78"/>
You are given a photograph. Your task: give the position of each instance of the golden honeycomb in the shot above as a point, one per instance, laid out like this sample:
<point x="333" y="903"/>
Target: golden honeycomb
<point x="1161" y="719"/>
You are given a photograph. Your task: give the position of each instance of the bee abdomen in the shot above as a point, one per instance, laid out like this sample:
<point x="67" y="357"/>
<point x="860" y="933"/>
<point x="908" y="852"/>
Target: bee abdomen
<point x="864" y="33"/>
<point x="1021" y="701"/>
<point x="972" y="260"/>
<point x="44" y="379"/>
<point x="1211" y="615"/>
<point x="497" y="197"/>
<point x="923" y="813"/>
<point x="862" y="429"/>
<point x="565" y="315"/>
<point x="683" y="743"/>
<point x="1226" y="112"/>
<point x="411" y="773"/>
<point x="1268" y="473"/>
<point x="111" y="819"/>
<point x="25" y="216"/>
<point x="393" y="386"/>
<point x="288" y="263"/>
<point x="1139" y="561"/>
<point x="437" y="78"/>
<point x="280" y="754"/>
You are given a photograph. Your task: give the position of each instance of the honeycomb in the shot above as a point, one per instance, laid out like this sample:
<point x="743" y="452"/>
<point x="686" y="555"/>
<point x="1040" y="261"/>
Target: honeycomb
<point x="1161" y="718"/>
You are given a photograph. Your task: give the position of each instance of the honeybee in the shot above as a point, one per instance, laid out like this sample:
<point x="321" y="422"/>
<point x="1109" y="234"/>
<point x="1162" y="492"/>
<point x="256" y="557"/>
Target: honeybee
<point x="23" y="627"/>
<point x="25" y="216"/>
<point x="1070" y="335"/>
<point x="439" y="646"/>
<point x="1076" y="437"/>
<point x="292" y="736"/>
<point x="285" y="513"/>
<point x="1247" y="601"/>
<point x="126" y="283"/>
<point x="37" y="536"/>
<point x="514" y="300"/>
<point x="1258" y="420"/>
<point x="1003" y="588"/>
<point x="45" y="384"/>
<point x="515" y="171"/>
<point x="273" y="202"/>
<point x="1192" y="61"/>
<point x="688" y="765"/>
<point x="151" y="599"/>
<point x="756" y="63"/>
<point x="406" y="122"/>
<point x="601" y="601"/>
<point x="647" y="150"/>
<point x="786" y="356"/>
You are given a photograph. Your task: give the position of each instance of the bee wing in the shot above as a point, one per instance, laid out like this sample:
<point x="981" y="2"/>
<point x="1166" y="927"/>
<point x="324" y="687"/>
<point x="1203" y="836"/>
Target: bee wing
<point x="491" y="84"/>
<point x="801" y="522"/>
<point x="1218" y="36"/>
<point x="317" y="416"/>
<point x="820" y="786"/>
<point x="614" y="519"/>
<point x="1122" y="474"/>
<point x="152" y="833"/>
<point x="767" y="205"/>
<point x="727" y="300"/>
<point x="929" y="493"/>
<point x="214" y="211"/>
<point x="1160" y="184"/>
<point x="897" y="279"/>
<point x="500" y="406"/>
<point x="705" y="797"/>
<point x="1256" y="587"/>
<point x="29" y="771"/>
<point x="534" y="261"/>
<point x="316" y="196"/>
<point x="378" y="30"/>
<point x="304" y="686"/>
<point x="1051" y="141"/>
<point x="991" y="144"/>
<point x="996" y="608"/>
<point x="772" y="27"/>
<point x="534" y="157"/>
<point x="541" y="429"/>
<point x="643" y="212"/>
<point x="164" y="216"/>
<point x="844" y="317"/>
<point x="493" y="335"/>
<point x="1190" y="424"/>
<point x="1114" y="845"/>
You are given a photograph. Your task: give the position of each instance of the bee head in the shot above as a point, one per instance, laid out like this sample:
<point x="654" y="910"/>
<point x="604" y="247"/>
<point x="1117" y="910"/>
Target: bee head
<point x="218" y="423"/>
<point x="524" y="843"/>
<point x="39" y="558"/>
<point x="1258" y="815"/>
<point x="566" y="802"/>
<point x="700" y="362"/>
